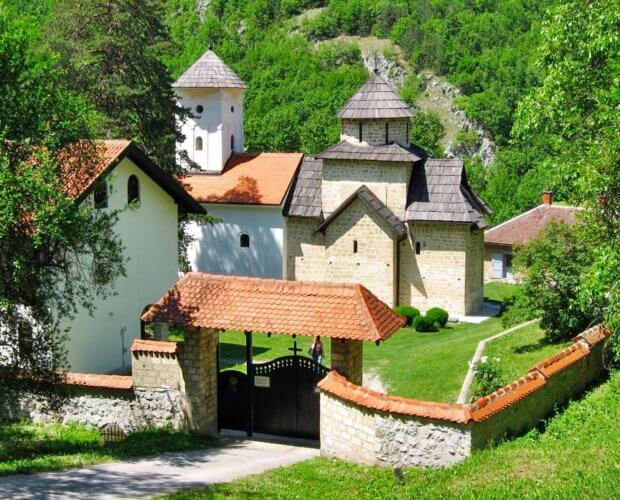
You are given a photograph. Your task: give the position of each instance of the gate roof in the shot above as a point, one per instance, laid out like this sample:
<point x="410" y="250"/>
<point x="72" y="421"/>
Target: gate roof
<point x="334" y="310"/>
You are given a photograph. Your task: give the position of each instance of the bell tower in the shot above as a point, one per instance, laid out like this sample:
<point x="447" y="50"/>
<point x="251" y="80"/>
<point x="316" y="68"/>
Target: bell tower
<point x="214" y="95"/>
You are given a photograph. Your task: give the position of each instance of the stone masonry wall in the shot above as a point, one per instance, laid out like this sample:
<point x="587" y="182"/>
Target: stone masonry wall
<point x="374" y="132"/>
<point x="347" y="359"/>
<point x="474" y="279"/>
<point x="131" y="410"/>
<point x="305" y="250"/>
<point x="437" y="276"/>
<point x="373" y="264"/>
<point x="387" y="180"/>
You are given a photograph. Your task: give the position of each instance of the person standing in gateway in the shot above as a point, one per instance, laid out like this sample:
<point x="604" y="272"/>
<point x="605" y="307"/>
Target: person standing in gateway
<point x="317" y="350"/>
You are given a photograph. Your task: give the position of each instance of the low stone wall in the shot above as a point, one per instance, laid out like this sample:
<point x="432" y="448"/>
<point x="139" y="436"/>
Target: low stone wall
<point x="372" y="428"/>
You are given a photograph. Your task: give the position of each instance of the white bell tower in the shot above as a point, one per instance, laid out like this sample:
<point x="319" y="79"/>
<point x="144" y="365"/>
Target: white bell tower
<point x="214" y="95"/>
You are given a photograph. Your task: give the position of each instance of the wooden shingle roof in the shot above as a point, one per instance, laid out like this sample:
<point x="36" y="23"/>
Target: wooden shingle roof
<point x="377" y="99"/>
<point x="439" y="192"/>
<point x="209" y="71"/>
<point x="375" y="204"/>
<point x="305" y="196"/>
<point x="386" y="152"/>
<point x="333" y="310"/>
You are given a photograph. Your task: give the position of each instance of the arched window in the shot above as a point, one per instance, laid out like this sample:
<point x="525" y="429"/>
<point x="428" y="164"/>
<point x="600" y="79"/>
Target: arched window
<point x="354" y="246"/>
<point x="198" y="143"/>
<point x="232" y="142"/>
<point x="100" y="194"/>
<point x="418" y="248"/>
<point x="232" y="109"/>
<point x="133" y="189"/>
<point x="244" y="240"/>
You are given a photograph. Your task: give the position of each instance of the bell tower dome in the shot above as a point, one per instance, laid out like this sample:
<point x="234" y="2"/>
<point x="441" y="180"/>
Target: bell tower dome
<point x="214" y="95"/>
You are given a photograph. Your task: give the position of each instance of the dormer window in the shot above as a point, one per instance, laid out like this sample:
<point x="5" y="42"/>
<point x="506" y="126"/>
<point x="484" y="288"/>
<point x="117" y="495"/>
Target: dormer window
<point x="199" y="109"/>
<point x="198" y="143"/>
<point x="133" y="190"/>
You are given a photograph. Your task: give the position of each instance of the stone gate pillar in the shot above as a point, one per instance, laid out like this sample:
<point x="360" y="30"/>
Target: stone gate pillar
<point x="347" y="359"/>
<point x="198" y="364"/>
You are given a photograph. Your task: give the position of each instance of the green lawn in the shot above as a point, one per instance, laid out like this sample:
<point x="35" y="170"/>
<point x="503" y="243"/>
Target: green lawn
<point x="578" y="456"/>
<point x="521" y="350"/>
<point x="28" y="448"/>
<point x="499" y="292"/>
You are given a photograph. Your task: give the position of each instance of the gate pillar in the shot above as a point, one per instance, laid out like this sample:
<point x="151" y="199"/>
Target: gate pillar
<point x="347" y="359"/>
<point x="198" y="363"/>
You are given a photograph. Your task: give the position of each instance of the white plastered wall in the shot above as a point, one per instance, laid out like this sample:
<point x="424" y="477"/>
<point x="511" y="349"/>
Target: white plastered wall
<point x="216" y="248"/>
<point x="101" y="343"/>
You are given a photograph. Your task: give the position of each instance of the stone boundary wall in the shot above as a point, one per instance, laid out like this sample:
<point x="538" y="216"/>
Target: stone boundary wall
<point x="373" y="428"/>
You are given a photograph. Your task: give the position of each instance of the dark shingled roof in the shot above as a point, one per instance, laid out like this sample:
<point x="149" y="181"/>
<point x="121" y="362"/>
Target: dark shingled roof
<point x="388" y="152"/>
<point x="375" y="100"/>
<point x="304" y="199"/>
<point x="209" y="71"/>
<point x="375" y="204"/>
<point x="439" y="192"/>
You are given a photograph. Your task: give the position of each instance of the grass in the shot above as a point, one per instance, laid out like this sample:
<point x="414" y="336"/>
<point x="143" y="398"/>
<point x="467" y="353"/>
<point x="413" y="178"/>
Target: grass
<point x="578" y="455"/>
<point x="27" y="448"/>
<point x="499" y="292"/>
<point x="521" y="350"/>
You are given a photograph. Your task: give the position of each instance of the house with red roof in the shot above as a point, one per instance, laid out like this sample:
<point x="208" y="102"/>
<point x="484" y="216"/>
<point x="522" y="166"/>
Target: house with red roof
<point x="119" y="174"/>
<point x="245" y="191"/>
<point x="501" y="240"/>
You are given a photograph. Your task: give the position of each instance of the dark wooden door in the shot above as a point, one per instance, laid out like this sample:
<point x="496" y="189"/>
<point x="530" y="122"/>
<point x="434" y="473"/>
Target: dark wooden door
<point x="233" y="400"/>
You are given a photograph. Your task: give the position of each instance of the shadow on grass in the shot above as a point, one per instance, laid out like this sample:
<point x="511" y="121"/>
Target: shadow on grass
<point x="536" y="346"/>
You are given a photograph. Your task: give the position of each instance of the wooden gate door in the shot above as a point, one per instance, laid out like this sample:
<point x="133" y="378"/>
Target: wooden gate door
<point x="233" y="396"/>
<point x="286" y="400"/>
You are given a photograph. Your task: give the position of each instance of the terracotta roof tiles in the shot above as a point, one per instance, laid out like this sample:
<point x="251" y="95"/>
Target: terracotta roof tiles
<point x="345" y="311"/>
<point x="99" y="381"/>
<point x="154" y="346"/>
<point x="562" y="360"/>
<point x="247" y="178"/>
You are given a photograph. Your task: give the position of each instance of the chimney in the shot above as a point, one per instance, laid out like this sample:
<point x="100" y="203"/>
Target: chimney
<point x="548" y="197"/>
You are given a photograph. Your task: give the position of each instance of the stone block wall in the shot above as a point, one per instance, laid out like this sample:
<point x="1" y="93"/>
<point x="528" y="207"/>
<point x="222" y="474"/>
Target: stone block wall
<point x="474" y="270"/>
<point x="304" y="250"/>
<point x="389" y="181"/>
<point x="347" y="359"/>
<point x="365" y="426"/>
<point x="374" y="132"/>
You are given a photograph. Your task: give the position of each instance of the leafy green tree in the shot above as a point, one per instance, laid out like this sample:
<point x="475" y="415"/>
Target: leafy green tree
<point x="576" y="106"/>
<point x="426" y="132"/>
<point x="55" y="255"/>
<point x="112" y="51"/>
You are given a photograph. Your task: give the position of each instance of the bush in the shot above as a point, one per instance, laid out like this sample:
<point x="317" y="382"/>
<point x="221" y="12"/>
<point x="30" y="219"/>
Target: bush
<point x="488" y="377"/>
<point x="423" y="324"/>
<point x="408" y="312"/>
<point x="438" y="316"/>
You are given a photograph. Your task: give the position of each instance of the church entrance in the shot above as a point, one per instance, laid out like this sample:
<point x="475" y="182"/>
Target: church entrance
<point x="278" y="397"/>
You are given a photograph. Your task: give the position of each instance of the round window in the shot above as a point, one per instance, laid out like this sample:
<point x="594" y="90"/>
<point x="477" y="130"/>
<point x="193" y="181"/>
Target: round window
<point x="199" y="109"/>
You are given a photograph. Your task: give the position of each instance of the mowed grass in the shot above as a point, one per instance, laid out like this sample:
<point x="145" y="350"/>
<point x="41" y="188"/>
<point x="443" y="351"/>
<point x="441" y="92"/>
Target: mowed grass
<point x="27" y="448"/>
<point x="577" y="456"/>
<point x="519" y="351"/>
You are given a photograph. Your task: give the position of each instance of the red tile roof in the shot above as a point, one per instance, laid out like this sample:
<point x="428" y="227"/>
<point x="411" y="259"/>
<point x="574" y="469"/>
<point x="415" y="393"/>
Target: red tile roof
<point x="594" y="335"/>
<point x="345" y="311"/>
<point x="339" y="386"/>
<point x="562" y="360"/>
<point x="525" y="227"/>
<point x="155" y="346"/>
<point x="248" y="178"/>
<point x="99" y="381"/>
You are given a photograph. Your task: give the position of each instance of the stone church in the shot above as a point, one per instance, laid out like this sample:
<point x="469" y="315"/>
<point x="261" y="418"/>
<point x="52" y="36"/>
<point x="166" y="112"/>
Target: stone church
<point x="372" y="209"/>
<point x="375" y="209"/>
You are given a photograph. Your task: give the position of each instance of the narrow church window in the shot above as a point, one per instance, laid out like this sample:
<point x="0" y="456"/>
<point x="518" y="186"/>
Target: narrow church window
<point x="198" y="143"/>
<point x="418" y="248"/>
<point x="359" y="132"/>
<point x="387" y="132"/>
<point x="100" y="195"/>
<point x="199" y="109"/>
<point x="232" y="109"/>
<point x="354" y="246"/>
<point x="244" y="240"/>
<point x="133" y="189"/>
<point x="232" y="142"/>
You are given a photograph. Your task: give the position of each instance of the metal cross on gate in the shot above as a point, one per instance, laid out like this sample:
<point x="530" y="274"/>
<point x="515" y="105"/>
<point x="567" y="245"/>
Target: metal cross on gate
<point x="295" y="349"/>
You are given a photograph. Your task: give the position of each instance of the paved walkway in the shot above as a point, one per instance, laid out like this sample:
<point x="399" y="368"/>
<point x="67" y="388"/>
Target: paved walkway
<point x="161" y="474"/>
<point x="469" y="378"/>
<point x="488" y="310"/>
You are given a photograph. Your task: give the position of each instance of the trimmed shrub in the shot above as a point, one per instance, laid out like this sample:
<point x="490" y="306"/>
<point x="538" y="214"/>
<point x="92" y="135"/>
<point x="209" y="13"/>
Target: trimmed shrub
<point x="423" y="324"/>
<point x="408" y="312"/>
<point x="437" y="315"/>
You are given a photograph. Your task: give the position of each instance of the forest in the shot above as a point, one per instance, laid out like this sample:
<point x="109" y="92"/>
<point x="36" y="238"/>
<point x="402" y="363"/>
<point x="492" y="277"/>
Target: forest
<point x="542" y="77"/>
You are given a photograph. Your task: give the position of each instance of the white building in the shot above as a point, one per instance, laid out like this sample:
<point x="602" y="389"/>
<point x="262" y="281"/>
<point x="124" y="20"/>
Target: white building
<point x="149" y="234"/>
<point x="245" y="191"/>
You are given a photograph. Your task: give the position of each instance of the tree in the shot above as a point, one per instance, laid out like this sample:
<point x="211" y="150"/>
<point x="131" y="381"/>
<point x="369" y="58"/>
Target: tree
<point x="112" y="51"/>
<point x="56" y="255"/>
<point x="427" y="132"/>
<point x="576" y="106"/>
